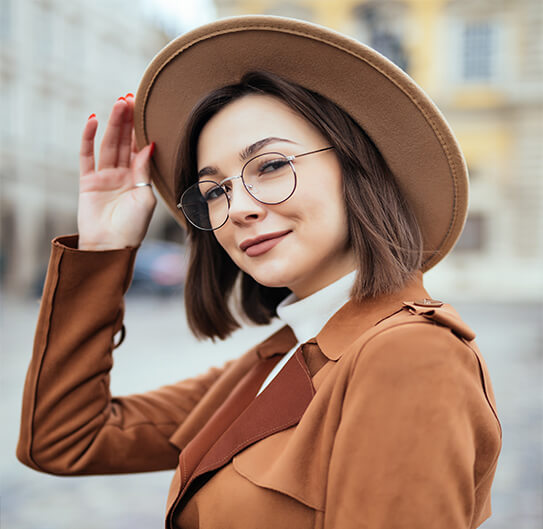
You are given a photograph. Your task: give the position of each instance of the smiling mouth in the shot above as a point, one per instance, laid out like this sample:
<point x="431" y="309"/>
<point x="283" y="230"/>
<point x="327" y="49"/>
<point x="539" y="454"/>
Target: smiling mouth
<point x="265" y="245"/>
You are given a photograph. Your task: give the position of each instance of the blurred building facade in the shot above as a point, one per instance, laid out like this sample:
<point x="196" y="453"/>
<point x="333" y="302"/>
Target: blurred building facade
<point x="59" y="62"/>
<point x="482" y="63"/>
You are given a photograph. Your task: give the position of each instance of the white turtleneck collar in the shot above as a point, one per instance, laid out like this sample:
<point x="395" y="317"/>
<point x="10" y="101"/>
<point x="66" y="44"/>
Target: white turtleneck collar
<point x="307" y="316"/>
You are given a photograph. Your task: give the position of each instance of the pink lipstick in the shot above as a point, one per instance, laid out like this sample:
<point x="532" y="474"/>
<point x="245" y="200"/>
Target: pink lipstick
<point x="263" y="243"/>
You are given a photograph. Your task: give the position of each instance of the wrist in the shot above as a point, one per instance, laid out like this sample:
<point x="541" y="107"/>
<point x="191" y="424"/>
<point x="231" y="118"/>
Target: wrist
<point x="101" y="246"/>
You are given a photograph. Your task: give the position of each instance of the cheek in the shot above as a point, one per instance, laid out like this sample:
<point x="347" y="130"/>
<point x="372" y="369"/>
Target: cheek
<point x="324" y="211"/>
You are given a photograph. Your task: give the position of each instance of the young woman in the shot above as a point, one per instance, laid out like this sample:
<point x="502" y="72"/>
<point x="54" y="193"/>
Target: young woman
<point x="317" y="183"/>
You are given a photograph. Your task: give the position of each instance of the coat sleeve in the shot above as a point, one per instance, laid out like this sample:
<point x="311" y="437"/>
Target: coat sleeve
<point x="418" y="439"/>
<point x="70" y="423"/>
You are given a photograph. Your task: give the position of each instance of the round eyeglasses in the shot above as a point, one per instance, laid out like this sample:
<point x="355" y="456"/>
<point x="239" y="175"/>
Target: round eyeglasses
<point x="269" y="178"/>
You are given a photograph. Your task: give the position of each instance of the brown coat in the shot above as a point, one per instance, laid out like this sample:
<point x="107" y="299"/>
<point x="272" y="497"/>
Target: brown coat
<point x="385" y="420"/>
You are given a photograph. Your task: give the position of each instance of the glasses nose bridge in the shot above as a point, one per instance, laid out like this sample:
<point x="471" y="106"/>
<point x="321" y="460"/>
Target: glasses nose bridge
<point x="230" y="178"/>
<point x="243" y="185"/>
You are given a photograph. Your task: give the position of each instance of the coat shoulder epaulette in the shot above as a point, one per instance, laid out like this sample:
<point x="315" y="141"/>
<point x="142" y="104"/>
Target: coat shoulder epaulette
<point x="442" y="314"/>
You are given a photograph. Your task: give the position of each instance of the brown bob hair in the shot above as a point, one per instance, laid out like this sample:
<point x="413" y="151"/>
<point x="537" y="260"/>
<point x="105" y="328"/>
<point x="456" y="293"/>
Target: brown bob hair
<point x="382" y="229"/>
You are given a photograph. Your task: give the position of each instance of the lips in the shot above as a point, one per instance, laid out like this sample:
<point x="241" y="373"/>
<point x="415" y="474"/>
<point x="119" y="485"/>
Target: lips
<point x="262" y="243"/>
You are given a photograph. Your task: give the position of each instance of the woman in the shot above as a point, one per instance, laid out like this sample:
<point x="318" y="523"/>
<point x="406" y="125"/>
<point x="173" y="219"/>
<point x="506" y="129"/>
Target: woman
<point x="318" y="183"/>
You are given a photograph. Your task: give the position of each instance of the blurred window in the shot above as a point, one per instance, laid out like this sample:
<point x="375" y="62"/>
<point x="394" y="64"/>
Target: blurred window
<point x="39" y="125"/>
<point x="5" y="20"/>
<point x="6" y="109"/>
<point x="478" y="50"/>
<point x="74" y="44"/>
<point x="44" y="34"/>
<point x="7" y="231"/>
<point x="382" y="27"/>
<point x="473" y="238"/>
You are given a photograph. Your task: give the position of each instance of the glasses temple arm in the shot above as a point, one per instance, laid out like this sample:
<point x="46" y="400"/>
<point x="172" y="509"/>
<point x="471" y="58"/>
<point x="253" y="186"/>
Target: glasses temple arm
<point x="310" y="152"/>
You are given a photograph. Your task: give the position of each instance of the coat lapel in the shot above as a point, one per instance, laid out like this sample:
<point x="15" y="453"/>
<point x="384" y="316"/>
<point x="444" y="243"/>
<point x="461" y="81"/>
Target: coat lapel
<point x="278" y="407"/>
<point x="191" y="456"/>
<point x="244" y="419"/>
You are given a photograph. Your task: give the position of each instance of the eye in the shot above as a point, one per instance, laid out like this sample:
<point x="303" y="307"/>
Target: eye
<point x="213" y="193"/>
<point x="269" y="166"/>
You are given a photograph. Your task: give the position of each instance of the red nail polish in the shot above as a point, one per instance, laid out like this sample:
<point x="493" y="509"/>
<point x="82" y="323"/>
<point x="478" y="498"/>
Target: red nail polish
<point x="130" y="94"/>
<point x="152" y="149"/>
<point x="119" y="98"/>
<point x="91" y="116"/>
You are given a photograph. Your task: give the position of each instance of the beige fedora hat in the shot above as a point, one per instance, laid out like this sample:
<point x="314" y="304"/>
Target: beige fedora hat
<point x="409" y="130"/>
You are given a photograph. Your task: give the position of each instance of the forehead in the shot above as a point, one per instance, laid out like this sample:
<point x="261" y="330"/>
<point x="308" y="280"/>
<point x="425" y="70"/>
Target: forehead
<point x="248" y="120"/>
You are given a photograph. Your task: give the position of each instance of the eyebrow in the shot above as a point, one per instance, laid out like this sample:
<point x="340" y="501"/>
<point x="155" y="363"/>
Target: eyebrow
<point x="246" y="153"/>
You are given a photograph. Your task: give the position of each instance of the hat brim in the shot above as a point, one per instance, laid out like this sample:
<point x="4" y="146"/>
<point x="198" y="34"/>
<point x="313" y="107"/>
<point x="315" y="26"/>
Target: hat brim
<point x="403" y="122"/>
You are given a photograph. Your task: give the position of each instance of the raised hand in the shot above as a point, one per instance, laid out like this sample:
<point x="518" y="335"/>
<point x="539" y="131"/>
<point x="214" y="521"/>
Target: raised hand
<point x="113" y="212"/>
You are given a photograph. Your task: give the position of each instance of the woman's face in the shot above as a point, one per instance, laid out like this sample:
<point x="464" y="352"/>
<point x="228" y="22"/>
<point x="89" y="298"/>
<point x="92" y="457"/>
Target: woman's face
<point x="309" y="248"/>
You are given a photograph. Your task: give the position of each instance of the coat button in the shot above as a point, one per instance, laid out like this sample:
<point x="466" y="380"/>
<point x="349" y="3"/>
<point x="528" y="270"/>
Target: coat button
<point x="428" y="302"/>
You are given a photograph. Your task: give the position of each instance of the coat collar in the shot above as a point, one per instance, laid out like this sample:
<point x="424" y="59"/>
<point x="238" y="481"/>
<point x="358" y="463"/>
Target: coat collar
<point x="280" y="342"/>
<point x="349" y="322"/>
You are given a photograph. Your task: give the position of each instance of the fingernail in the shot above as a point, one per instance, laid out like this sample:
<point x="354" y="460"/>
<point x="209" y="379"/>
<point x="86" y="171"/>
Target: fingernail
<point x="130" y="94"/>
<point x="152" y="149"/>
<point x="119" y="98"/>
<point x="91" y="116"/>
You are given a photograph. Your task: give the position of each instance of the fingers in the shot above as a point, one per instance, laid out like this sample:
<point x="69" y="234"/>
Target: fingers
<point x="141" y="164"/>
<point x="134" y="144"/>
<point x="126" y="133"/>
<point x="86" y="152"/>
<point x="118" y="147"/>
<point x="133" y="147"/>
<point x="109" y="149"/>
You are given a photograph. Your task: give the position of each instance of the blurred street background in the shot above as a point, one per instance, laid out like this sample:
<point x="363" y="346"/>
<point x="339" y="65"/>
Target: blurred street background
<point x="61" y="60"/>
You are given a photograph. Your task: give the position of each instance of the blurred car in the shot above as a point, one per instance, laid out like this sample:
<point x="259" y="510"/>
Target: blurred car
<point x="160" y="268"/>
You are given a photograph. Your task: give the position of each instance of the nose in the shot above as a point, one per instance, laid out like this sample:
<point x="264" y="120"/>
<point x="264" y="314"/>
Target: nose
<point x="243" y="207"/>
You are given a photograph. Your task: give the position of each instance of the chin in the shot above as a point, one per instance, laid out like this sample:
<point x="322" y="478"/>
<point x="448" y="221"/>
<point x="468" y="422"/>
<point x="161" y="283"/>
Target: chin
<point x="267" y="282"/>
<point x="270" y="279"/>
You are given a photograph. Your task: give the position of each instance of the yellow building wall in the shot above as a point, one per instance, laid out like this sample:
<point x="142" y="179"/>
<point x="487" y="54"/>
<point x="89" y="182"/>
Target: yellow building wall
<point x="424" y="23"/>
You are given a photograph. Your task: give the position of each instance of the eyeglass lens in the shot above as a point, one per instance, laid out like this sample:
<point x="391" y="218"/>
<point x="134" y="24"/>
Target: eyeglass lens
<point x="268" y="177"/>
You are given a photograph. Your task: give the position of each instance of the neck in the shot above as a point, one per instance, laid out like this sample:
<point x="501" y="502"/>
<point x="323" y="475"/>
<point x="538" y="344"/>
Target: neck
<point x="304" y="290"/>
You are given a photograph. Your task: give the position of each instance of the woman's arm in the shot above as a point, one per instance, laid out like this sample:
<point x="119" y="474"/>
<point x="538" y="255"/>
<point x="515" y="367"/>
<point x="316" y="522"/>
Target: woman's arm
<point x="418" y="441"/>
<point x="70" y="424"/>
